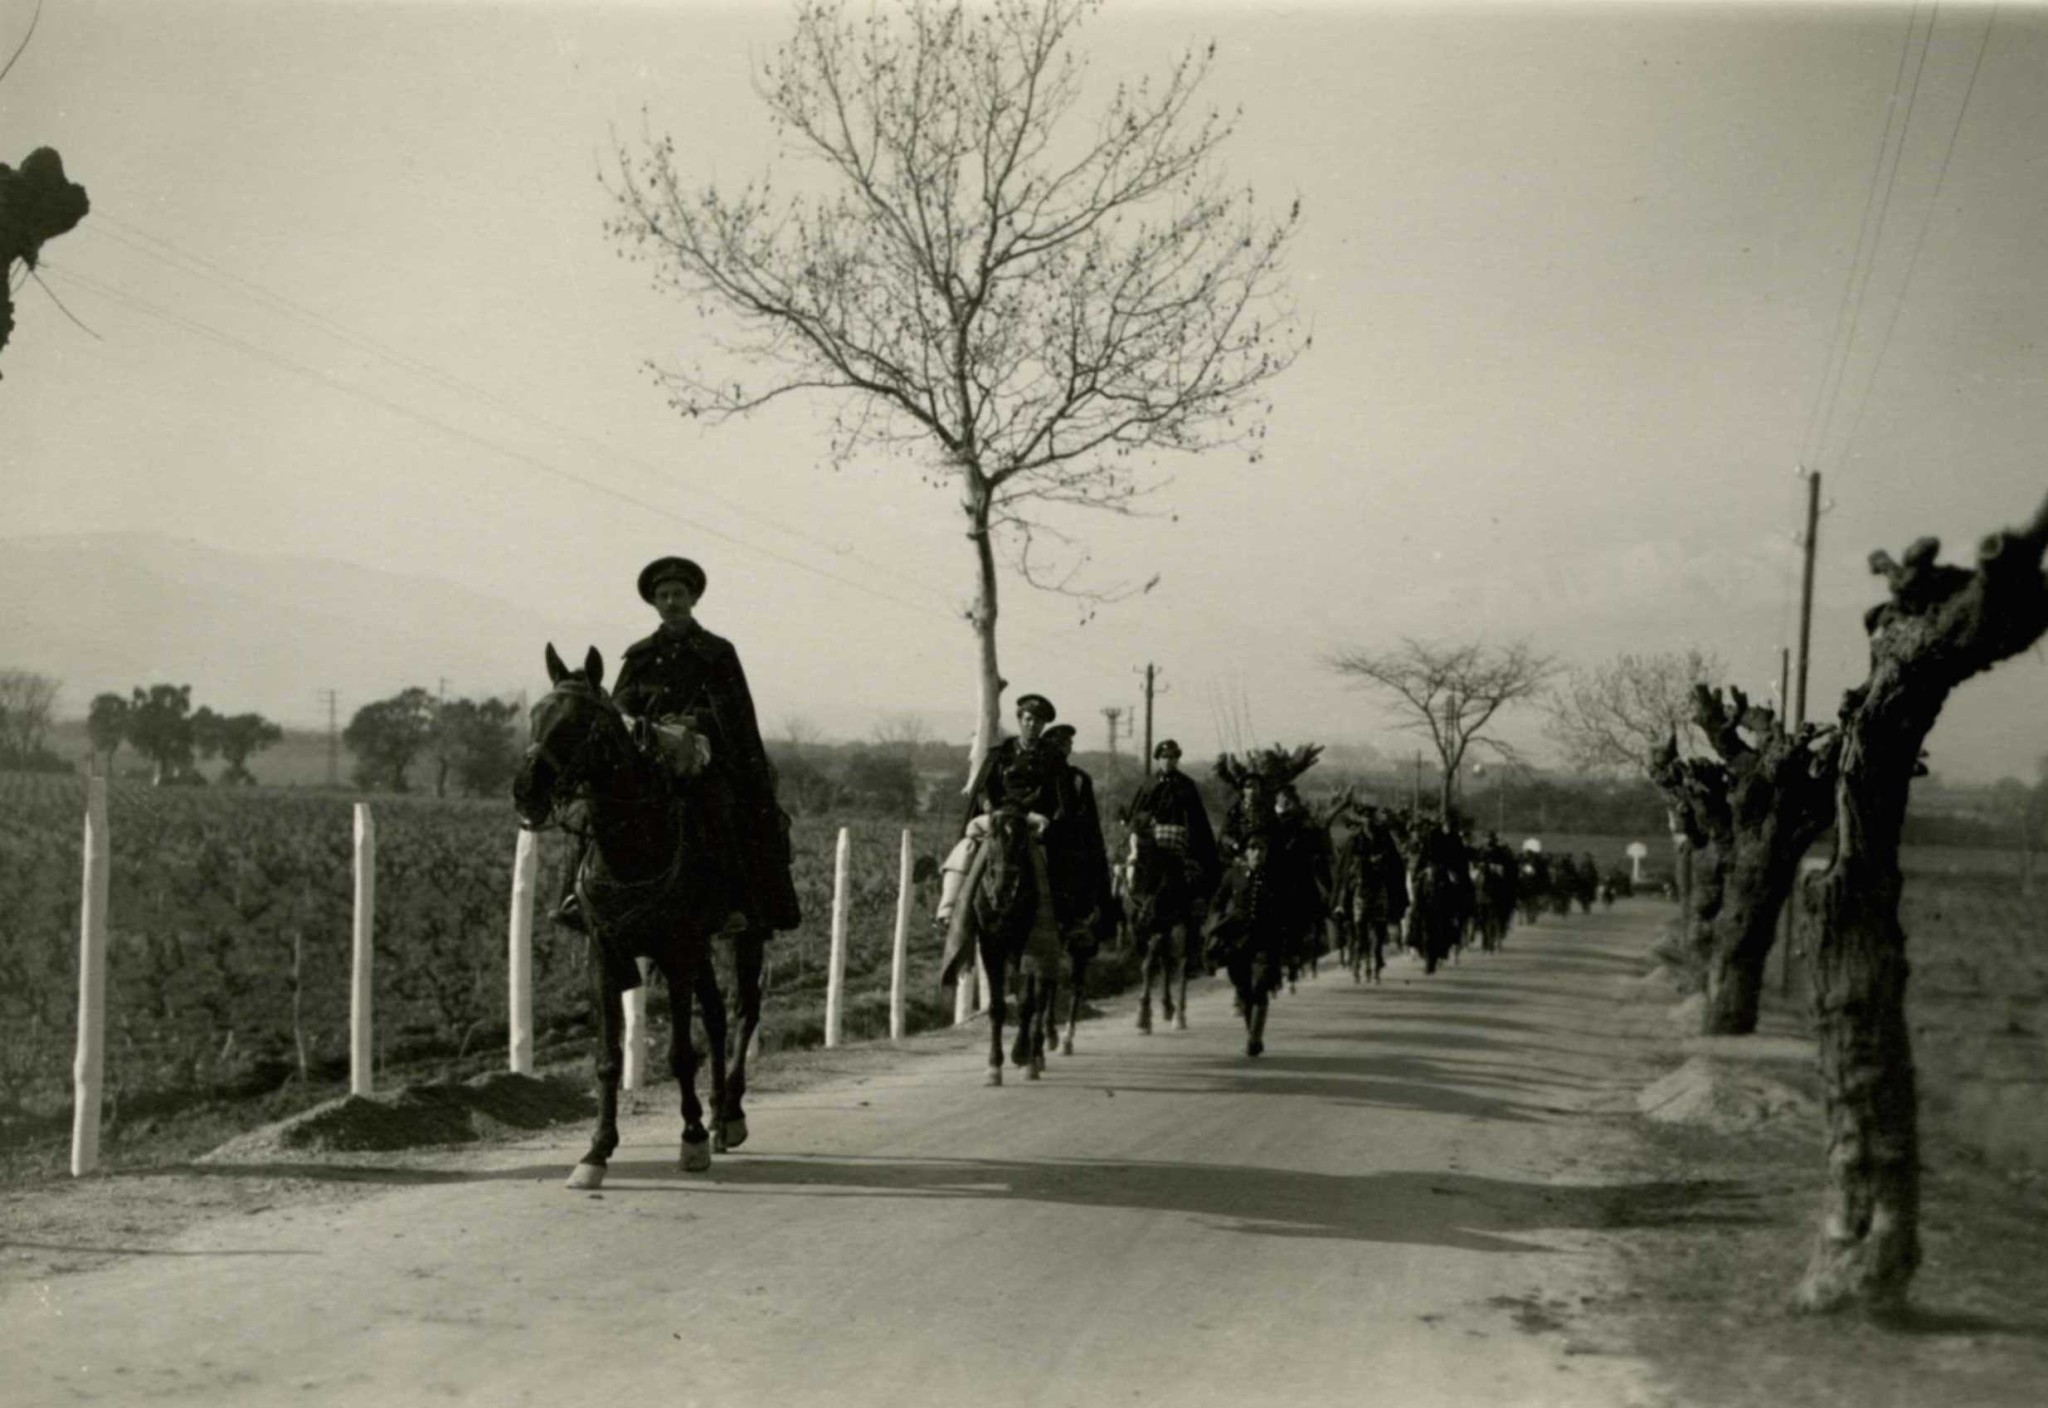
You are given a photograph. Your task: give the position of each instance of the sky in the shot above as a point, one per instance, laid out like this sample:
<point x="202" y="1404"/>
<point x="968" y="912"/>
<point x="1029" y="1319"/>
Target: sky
<point x="1587" y="285"/>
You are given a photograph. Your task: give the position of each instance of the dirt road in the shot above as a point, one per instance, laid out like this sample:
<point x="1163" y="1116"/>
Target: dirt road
<point x="1401" y="1203"/>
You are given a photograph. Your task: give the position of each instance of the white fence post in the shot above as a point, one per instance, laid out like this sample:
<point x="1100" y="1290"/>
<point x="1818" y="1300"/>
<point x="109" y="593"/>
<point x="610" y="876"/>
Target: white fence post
<point x="635" y="1074"/>
<point x="835" y="973"/>
<point x="899" y="960"/>
<point x="361" y="1079"/>
<point x="88" y="1072"/>
<point x="519" y="962"/>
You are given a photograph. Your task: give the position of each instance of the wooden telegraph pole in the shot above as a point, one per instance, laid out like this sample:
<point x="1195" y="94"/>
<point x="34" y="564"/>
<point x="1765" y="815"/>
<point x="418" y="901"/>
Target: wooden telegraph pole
<point x="1151" y="686"/>
<point x="1807" y="542"/>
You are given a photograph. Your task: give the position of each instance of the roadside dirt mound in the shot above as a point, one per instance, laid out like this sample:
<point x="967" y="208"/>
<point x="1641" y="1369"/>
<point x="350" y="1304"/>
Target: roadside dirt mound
<point x="1726" y="1096"/>
<point x="417" y="1115"/>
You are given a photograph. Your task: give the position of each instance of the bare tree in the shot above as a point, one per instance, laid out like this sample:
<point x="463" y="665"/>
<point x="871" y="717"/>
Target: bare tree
<point x="1940" y="626"/>
<point x="1030" y="306"/>
<point x="1451" y="694"/>
<point x="1610" y="718"/>
<point x="26" y="700"/>
<point x="1752" y="807"/>
<point x="908" y="732"/>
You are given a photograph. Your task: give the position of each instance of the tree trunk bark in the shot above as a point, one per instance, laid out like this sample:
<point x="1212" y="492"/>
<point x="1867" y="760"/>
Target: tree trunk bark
<point x="1869" y="1240"/>
<point x="1940" y="626"/>
<point x="1753" y="896"/>
<point x="989" y="682"/>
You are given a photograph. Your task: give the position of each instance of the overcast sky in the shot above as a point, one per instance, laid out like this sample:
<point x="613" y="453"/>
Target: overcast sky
<point x="1577" y="277"/>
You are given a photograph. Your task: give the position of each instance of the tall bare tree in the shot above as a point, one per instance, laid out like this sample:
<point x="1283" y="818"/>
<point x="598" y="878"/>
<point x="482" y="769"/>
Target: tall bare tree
<point x="1610" y="718"/>
<point x="26" y="702"/>
<point x="1615" y="718"/>
<point x="1030" y="305"/>
<point x="1450" y="694"/>
<point x="1940" y="626"/>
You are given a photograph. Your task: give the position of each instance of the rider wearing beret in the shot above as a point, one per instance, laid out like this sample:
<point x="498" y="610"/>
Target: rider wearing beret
<point x="683" y="670"/>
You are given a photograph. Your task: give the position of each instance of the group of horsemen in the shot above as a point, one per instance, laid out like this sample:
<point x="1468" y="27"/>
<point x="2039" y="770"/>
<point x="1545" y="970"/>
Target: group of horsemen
<point x="1269" y="894"/>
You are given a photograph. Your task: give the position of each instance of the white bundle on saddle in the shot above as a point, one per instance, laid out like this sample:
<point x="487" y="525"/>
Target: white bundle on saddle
<point x="680" y="749"/>
<point x="953" y="874"/>
<point x="1169" y="837"/>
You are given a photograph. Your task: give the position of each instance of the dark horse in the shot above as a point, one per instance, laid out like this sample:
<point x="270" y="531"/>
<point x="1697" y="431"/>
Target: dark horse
<point x="1009" y="918"/>
<point x="1166" y="922"/>
<point x="643" y="887"/>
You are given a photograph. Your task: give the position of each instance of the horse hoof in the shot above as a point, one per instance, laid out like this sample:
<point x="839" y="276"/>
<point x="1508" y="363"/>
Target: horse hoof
<point x="586" y="1177"/>
<point x="1180" y="1023"/>
<point x="1145" y="1023"/>
<point x="995" y="1076"/>
<point x="1033" y="1072"/>
<point x="1067" y="1047"/>
<point x="696" y="1154"/>
<point x="718" y="1145"/>
<point x="733" y="1132"/>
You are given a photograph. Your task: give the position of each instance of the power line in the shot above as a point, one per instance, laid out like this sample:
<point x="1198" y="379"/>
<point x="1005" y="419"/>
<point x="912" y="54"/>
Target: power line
<point x="1919" y="240"/>
<point x="201" y="267"/>
<point x="533" y="462"/>
<point x="1849" y="311"/>
<point x="252" y="349"/>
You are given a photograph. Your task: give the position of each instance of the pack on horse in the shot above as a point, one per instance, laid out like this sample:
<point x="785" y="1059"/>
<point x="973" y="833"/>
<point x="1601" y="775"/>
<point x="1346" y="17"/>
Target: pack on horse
<point x="645" y="888"/>
<point x="1002" y="911"/>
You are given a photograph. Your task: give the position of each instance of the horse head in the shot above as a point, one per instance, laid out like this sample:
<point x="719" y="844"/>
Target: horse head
<point x="575" y="734"/>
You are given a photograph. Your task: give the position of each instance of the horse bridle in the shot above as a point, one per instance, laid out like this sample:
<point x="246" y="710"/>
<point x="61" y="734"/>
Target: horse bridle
<point x="579" y="789"/>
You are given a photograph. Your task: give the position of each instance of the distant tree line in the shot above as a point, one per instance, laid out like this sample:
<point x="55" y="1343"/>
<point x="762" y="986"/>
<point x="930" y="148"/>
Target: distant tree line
<point x="159" y="722"/>
<point x="467" y="744"/>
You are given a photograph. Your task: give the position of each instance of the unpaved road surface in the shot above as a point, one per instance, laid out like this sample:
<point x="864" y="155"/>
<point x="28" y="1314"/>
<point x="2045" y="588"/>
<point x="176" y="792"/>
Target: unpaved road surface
<point x="1404" y="1202"/>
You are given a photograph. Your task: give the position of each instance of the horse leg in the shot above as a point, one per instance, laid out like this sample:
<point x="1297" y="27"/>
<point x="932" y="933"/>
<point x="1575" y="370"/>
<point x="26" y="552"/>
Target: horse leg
<point x="993" y="962"/>
<point x="1031" y="1020"/>
<point x="1154" y="963"/>
<point x="1255" y="1044"/>
<point x="711" y="999"/>
<point x="749" y="960"/>
<point x="611" y="1067"/>
<point x="1080" y="985"/>
<point x="1027" y="1009"/>
<point x="682" y="1060"/>
<point x="1188" y="936"/>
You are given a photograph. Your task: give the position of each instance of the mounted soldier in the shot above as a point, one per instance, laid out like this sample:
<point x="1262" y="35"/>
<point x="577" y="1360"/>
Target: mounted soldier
<point x="1026" y="774"/>
<point x="1077" y="863"/>
<point x="683" y="682"/>
<point x="1170" y="806"/>
<point x="1174" y="870"/>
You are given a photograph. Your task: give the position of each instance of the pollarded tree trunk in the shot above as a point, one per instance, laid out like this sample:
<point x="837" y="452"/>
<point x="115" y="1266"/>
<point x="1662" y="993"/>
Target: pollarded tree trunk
<point x="1941" y="626"/>
<point x="1761" y="802"/>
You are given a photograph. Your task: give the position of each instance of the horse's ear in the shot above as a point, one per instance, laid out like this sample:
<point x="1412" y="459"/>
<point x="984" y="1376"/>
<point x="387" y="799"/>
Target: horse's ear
<point x="557" y="671"/>
<point x="593" y="668"/>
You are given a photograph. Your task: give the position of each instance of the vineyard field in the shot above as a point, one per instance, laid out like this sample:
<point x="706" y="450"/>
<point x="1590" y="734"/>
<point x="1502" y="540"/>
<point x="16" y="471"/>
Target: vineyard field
<point x="229" y="946"/>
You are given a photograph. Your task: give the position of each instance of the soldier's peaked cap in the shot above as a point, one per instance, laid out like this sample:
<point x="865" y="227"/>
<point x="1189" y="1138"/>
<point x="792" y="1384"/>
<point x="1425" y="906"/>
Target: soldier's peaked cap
<point x="1060" y="731"/>
<point x="1037" y="704"/>
<point x="1167" y="749"/>
<point x="663" y="568"/>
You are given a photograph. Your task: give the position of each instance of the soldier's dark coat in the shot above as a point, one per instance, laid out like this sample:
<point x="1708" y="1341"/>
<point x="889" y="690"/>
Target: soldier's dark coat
<point x="1078" y="860"/>
<point x="1172" y="799"/>
<point x="693" y="673"/>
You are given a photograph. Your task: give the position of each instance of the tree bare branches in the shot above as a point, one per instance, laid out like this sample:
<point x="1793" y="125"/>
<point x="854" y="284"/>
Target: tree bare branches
<point x="1611" y="717"/>
<point x="1031" y="303"/>
<point x="1450" y="694"/>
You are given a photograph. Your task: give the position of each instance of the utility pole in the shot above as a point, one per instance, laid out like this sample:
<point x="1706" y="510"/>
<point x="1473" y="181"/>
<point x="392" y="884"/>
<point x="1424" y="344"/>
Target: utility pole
<point x="1784" y="681"/>
<point x="1415" y="794"/>
<point x="333" y="741"/>
<point x="1151" y="687"/>
<point x="1114" y="713"/>
<point x="1807" y="541"/>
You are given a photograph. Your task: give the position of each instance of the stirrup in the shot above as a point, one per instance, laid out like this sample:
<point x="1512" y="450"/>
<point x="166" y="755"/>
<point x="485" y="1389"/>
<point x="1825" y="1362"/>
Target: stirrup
<point x="569" y="914"/>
